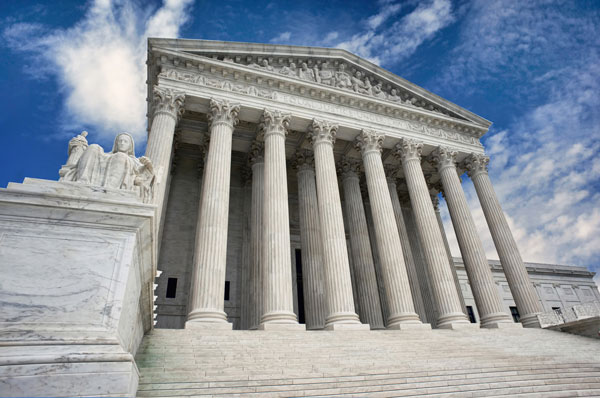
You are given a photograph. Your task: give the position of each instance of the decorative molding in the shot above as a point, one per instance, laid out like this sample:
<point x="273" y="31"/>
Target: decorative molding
<point x="223" y="112"/>
<point x="168" y="101"/>
<point x="274" y="122"/>
<point x="338" y="104"/>
<point x="322" y="132"/>
<point x="408" y="149"/>
<point x="369" y="141"/>
<point x="476" y="164"/>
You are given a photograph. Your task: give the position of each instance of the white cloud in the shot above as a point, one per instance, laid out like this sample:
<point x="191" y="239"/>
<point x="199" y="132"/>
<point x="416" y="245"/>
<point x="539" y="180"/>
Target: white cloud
<point x="545" y="166"/>
<point x="386" y="43"/>
<point x="282" y="38"/>
<point x="100" y="62"/>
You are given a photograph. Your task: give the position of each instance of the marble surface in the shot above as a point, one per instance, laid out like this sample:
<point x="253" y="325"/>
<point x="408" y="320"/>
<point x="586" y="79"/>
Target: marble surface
<point x="78" y="264"/>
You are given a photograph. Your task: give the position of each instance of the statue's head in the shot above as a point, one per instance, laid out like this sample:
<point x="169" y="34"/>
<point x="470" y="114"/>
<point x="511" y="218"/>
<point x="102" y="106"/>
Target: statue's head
<point x="124" y="143"/>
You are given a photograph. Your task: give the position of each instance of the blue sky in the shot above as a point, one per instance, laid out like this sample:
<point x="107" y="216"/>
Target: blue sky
<point x="531" y="67"/>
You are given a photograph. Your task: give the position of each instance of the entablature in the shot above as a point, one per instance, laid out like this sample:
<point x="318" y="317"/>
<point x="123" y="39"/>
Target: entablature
<point x="204" y="78"/>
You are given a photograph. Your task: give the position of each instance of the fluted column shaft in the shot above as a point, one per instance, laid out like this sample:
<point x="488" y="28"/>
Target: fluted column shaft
<point x="167" y="109"/>
<point x="441" y="280"/>
<point x="340" y="303"/>
<point x="210" y="255"/>
<point x="246" y="249"/>
<point x="362" y="257"/>
<point x="276" y="260"/>
<point x="409" y="260"/>
<point x="310" y="240"/>
<point x="438" y="216"/>
<point x="256" y="160"/>
<point x="395" y="276"/>
<point x="489" y="305"/>
<point x="520" y="285"/>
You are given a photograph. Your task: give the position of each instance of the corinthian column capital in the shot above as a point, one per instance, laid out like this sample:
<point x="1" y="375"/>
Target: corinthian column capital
<point x="223" y="112"/>
<point x="349" y="168"/>
<point x="442" y="158"/>
<point x="257" y="153"/>
<point x="168" y="101"/>
<point x="476" y="164"/>
<point x="369" y="141"/>
<point x="304" y="160"/>
<point x="408" y="149"/>
<point x="274" y="122"/>
<point x="322" y="132"/>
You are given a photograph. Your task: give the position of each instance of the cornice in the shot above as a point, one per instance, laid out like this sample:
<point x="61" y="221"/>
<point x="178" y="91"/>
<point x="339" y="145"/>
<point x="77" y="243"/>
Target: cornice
<point x="245" y="80"/>
<point x="276" y="51"/>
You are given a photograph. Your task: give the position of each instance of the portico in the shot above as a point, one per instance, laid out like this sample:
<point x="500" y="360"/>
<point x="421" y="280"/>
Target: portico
<point x="282" y="133"/>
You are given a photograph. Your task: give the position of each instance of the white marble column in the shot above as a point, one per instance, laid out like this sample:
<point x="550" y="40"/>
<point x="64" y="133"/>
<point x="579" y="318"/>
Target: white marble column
<point x="167" y="107"/>
<point x="395" y="277"/>
<point x="406" y="248"/>
<point x="362" y="258"/>
<point x="521" y="288"/>
<point x="257" y="163"/>
<point x="246" y="248"/>
<point x="450" y="313"/>
<point x="310" y="240"/>
<point x="210" y="256"/>
<point x="276" y="262"/>
<point x="489" y="305"/>
<point x="436" y="207"/>
<point x="338" y="284"/>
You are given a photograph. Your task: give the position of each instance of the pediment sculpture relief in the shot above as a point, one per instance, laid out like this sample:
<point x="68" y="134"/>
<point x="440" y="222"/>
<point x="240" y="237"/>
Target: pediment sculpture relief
<point x="118" y="169"/>
<point x="338" y="76"/>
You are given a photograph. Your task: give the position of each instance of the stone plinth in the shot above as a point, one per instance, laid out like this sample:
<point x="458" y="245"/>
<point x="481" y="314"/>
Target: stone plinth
<point x="78" y="263"/>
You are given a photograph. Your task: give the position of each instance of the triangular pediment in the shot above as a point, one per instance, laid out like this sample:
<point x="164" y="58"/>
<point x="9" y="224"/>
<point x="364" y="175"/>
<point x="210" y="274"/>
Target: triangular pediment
<point x="333" y="68"/>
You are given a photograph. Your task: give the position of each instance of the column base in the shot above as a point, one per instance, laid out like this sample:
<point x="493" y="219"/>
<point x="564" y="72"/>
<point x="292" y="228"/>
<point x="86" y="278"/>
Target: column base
<point x="336" y="327"/>
<point x="207" y="316"/>
<point x="282" y="327"/>
<point x="409" y="326"/>
<point x="342" y="317"/>
<point x="502" y="325"/>
<point x="530" y="321"/>
<point x="459" y="326"/>
<point x="208" y="325"/>
<point x="279" y="317"/>
<point x="489" y="320"/>
<point x="452" y="318"/>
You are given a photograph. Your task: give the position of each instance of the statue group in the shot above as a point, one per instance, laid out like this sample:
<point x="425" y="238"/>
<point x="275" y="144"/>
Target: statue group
<point x="118" y="169"/>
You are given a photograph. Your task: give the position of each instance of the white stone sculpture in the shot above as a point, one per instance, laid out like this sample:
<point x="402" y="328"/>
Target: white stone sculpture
<point x="118" y="169"/>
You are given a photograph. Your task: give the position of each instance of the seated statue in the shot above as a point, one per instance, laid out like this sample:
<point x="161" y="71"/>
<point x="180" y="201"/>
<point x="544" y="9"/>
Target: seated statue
<point x="119" y="169"/>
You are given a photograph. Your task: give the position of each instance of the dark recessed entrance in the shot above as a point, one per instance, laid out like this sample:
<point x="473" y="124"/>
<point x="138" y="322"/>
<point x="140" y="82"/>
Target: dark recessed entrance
<point x="299" y="287"/>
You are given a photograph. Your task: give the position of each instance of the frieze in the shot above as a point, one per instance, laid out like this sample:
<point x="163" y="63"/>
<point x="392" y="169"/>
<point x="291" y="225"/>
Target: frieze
<point x="246" y="88"/>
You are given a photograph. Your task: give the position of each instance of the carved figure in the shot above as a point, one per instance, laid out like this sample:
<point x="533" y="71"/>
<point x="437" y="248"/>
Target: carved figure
<point x="289" y="70"/>
<point x="342" y="79"/>
<point x="394" y="96"/>
<point x="378" y="91"/>
<point x="305" y="73"/>
<point x="357" y="83"/>
<point x="368" y="87"/>
<point x="325" y="74"/>
<point x="119" y="169"/>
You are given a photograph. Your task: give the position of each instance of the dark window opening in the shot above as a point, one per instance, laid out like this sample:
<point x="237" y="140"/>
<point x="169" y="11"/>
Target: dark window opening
<point x="226" y="290"/>
<point x="471" y="314"/>
<point x="299" y="286"/>
<point x="515" y="314"/>
<point x="555" y="308"/>
<point x="171" y="287"/>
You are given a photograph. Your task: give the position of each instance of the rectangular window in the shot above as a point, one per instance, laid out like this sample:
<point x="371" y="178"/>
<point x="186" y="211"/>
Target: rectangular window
<point x="226" y="290"/>
<point x="171" y="287"/>
<point x="515" y="314"/>
<point x="471" y="314"/>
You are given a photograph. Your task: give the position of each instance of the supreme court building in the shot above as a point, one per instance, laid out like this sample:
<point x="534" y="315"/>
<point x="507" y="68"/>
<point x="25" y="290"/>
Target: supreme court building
<point x="285" y="191"/>
<point x="301" y="184"/>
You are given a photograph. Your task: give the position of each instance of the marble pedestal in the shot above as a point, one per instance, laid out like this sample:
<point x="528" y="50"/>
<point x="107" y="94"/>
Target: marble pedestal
<point x="77" y="265"/>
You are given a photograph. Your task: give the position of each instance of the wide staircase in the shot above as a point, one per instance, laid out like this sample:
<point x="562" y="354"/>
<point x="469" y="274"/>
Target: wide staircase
<point x="464" y="363"/>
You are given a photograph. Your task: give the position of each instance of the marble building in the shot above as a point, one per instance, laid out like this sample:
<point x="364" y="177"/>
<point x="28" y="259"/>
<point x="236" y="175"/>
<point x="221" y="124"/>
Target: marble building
<point x="283" y="189"/>
<point x="300" y="183"/>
